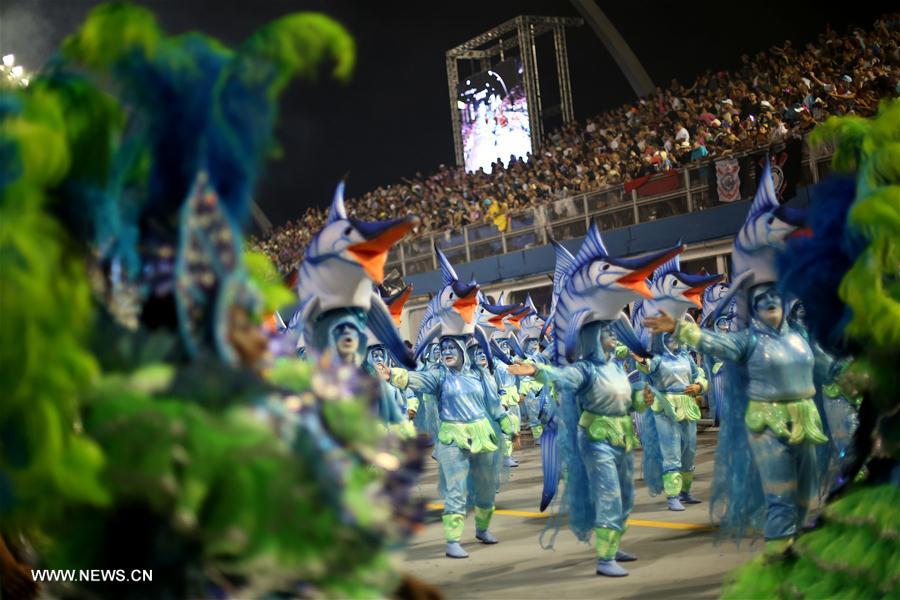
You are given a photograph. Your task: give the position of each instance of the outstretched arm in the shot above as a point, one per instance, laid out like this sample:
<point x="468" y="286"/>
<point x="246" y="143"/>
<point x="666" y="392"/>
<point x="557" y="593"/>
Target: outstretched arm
<point x="728" y="346"/>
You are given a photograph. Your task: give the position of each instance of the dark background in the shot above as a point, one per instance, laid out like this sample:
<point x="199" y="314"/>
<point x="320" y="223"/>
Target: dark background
<point x="393" y="119"/>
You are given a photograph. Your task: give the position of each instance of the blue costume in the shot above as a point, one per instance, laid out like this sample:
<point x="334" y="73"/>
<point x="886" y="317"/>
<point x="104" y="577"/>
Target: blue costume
<point x="605" y="435"/>
<point x="669" y="432"/>
<point x="595" y="432"/>
<point x="472" y="420"/>
<point x="675" y="415"/>
<point x="468" y="444"/>
<point x="782" y="420"/>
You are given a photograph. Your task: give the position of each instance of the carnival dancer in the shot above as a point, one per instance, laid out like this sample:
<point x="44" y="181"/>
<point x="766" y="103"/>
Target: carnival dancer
<point x="781" y="421"/>
<point x="530" y="335"/>
<point x="839" y="271"/>
<point x="341" y="267"/>
<point x="713" y="368"/>
<point x="595" y="394"/>
<point x="472" y="420"/>
<point x="669" y="432"/>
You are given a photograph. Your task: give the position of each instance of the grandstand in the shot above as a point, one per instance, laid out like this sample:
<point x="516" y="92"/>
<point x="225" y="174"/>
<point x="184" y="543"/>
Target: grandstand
<point x="675" y="164"/>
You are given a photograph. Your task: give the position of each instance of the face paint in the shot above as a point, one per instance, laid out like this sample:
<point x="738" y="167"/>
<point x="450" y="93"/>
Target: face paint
<point x="723" y="324"/>
<point x="799" y="314"/>
<point x="346" y="339"/>
<point x="480" y="357"/>
<point x="768" y="306"/>
<point x="608" y="340"/>
<point x="451" y="354"/>
<point x="378" y="356"/>
<point x="672" y="344"/>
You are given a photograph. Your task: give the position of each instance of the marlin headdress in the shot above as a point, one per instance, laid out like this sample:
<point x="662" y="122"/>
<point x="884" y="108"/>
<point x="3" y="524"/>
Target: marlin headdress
<point x="341" y="264"/>
<point x="593" y="286"/>
<point x="712" y="296"/>
<point x="762" y="236"/>
<point x="396" y="302"/>
<point x="490" y="317"/>
<point x="451" y="312"/>
<point x="532" y="326"/>
<point x="672" y="291"/>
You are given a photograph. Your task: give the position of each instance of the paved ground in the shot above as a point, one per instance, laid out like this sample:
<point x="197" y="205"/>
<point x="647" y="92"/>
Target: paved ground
<point x="677" y="554"/>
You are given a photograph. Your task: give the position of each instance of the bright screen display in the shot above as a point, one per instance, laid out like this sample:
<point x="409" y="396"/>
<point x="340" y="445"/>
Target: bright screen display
<point x="494" y="116"/>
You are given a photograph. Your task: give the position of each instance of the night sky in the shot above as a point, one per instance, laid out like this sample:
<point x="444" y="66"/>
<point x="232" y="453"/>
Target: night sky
<point x="393" y="119"/>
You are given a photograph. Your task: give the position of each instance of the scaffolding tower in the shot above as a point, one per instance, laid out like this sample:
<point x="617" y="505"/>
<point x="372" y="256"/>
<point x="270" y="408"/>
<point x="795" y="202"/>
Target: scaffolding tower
<point x="517" y="34"/>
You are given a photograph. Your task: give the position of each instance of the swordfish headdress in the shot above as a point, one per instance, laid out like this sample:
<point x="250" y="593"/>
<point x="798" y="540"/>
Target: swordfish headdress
<point x="341" y="267"/>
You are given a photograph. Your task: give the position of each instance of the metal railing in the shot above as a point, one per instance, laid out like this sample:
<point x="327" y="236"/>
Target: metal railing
<point x="570" y="217"/>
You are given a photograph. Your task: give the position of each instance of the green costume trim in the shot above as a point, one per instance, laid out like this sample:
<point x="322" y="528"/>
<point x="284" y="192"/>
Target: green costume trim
<point x="476" y="437"/>
<point x="777" y="547"/>
<point x="618" y="431"/>
<point x="621" y="352"/>
<point x="399" y="378"/>
<point x="672" y="483"/>
<point x="530" y="385"/>
<point x="687" y="478"/>
<point x="688" y="333"/>
<point x="797" y="421"/>
<point x="678" y="406"/>
<point x="453" y="526"/>
<point x="510" y="397"/>
<point x="607" y="542"/>
<point x="717" y="366"/>
<point x="483" y="517"/>
<point x="412" y="404"/>
<point x="405" y="430"/>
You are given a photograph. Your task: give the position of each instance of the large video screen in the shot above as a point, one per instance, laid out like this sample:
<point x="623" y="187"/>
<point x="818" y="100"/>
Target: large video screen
<point x="494" y="116"/>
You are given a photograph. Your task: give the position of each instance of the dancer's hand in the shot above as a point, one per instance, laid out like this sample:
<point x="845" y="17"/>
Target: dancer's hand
<point x="662" y="323"/>
<point x="693" y="389"/>
<point x="383" y="372"/>
<point x="411" y="414"/>
<point x="516" y="441"/>
<point x="520" y="368"/>
<point x="648" y="395"/>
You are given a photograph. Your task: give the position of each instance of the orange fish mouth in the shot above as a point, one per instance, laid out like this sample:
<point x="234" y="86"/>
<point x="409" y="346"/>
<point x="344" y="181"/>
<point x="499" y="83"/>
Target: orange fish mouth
<point x="636" y="281"/>
<point x="516" y="320"/>
<point x="497" y="321"/>
<point x="694" y="294"/>
<point x="396" y="307"/>
<point x="466" y="305"/>
<point x="372" y="254"/>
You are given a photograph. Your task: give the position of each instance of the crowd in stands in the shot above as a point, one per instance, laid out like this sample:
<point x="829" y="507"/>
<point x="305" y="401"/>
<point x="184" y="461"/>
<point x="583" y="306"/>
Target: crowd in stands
<point x="770" y="96"/>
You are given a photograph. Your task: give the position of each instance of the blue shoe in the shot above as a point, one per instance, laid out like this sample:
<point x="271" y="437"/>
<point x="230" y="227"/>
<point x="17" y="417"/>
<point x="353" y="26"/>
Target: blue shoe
<point x="610" y="568"/>
<point x="485" y="536"/>
<point x="622" y="556"/>
<point x="454" y="550"/>
<point x="686" y="498"/>
<point x="510" y="462"/>
<point x="674" y="504"/>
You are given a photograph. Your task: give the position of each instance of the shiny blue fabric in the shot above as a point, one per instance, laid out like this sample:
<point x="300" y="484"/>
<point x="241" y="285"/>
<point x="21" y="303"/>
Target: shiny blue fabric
<point x="610" y="473"/>
<point x="677" y="443"/>
<point x="779" y="362"/>
<point x="600" y="386"/>
<point x="789" y="481"/>
<point x="467" y="479"/>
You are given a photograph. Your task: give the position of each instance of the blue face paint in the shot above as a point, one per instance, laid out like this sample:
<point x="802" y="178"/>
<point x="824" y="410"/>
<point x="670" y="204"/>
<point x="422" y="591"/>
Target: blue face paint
<point x="378" y="356"/>
<point x="345" y="330"/>
<point x="451" y="353"/>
